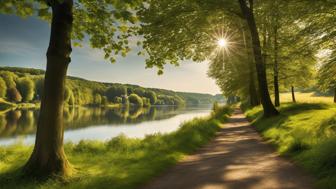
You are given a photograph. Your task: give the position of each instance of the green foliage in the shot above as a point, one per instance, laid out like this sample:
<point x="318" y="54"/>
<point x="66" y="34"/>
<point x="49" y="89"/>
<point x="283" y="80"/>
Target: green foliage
<point x="3" y="88"/>
<point x="118" y="100"/>
<point x="305" y="132"/>
<point x="144" y="158"/>
<point x="107" y="25"/>
<point x="14" y="95"/>
<point x="327" y="73"/>
<point x="151" y="96"/>
<point x="27" y="88"/>
<point x="136" y="100"/>
<point x="115" y="91"/>
<point x="97" y="99"/>
<point x="67" y="94"/>
<point x="83" y="92"/>
<point x="39" y="83"/>
<point x="9" y="78"/>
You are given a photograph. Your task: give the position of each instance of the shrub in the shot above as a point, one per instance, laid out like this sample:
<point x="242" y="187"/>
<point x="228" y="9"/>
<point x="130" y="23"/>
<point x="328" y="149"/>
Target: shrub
<point x="71" y="99"/>
<point x="27" y="88"/>
<point x="135" y="99"/>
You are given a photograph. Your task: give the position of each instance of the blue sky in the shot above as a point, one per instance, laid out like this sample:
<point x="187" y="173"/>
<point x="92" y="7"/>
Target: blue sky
<point x="23" y="43"/>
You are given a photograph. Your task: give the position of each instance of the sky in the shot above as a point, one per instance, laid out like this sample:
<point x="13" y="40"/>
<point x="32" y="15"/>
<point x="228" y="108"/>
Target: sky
<point x="23" y="43"/>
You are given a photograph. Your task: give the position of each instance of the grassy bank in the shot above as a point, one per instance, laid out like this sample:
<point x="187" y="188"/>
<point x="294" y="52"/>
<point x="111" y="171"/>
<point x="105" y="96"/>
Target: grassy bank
<point x="119" y="163"/>
<point x="306" y="133"/>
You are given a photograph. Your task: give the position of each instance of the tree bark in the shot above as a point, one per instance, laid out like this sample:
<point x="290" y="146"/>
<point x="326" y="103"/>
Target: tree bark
<point x="269" y="109"/>
<point x="293" y="94"/>
<point x="276" y="70"/>
<point x="48" y="157"/>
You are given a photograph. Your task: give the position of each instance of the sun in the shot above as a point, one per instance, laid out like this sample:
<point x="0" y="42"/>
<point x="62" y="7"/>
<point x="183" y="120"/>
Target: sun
<point x="222" y="42"/>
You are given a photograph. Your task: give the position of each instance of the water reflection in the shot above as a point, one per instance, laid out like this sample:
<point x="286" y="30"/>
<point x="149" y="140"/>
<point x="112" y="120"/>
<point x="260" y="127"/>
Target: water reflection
<point x="22" y="123"/>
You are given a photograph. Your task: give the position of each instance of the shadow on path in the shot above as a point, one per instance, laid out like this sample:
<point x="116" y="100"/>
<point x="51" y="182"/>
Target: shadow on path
<point x="236" y="159"/>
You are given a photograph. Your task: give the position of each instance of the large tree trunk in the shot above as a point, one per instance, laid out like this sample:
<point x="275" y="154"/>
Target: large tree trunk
<point x="269" y="109"/>
<point x="293" y="94"/>
<point x="48" y="157"/>
<point x="276" y="71"/>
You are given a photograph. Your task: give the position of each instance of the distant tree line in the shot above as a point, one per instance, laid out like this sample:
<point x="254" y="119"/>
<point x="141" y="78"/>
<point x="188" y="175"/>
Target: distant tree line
<point x="26" y="84"/>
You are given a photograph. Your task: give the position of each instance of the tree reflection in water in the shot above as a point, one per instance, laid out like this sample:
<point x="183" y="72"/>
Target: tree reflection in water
<point x="21" y="122"/>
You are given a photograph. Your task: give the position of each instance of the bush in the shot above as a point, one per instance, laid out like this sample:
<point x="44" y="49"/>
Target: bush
<point x="27" y="88"/>
<point x="14" y="95"/>
<point x="3" y="88"/>
<point x="135" y="99"/>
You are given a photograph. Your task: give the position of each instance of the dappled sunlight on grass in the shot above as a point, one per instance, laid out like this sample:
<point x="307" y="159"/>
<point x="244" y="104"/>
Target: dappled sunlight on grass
<point x="306" y="132"/>
<point x="306" y="98"/>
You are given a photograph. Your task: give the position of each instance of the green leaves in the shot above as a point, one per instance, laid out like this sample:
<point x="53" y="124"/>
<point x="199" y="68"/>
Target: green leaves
<point x="106" y="24"/>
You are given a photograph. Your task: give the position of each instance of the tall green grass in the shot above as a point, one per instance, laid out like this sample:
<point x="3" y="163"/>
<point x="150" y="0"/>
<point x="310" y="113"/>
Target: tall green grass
<point x="305" y="132"/>
<point x="119" y="163"/>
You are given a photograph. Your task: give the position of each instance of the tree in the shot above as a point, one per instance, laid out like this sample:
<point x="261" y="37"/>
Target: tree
<point x="135" y="99"/>
<point x="97" y="99"/>
<point x="3" y="88"/>
<point x="151" y="96"/>
<point x="108" y="26"/>
<point x="187" y="30"/>
<point x="14" y="95"/>
<point x="9" y="78"/>
<point x="115" y="91"/>
<point x="27" y="88"/>
<point x="269" y="109"/>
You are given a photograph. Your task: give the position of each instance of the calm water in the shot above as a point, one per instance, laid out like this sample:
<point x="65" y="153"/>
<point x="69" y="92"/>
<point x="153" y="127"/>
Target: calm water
<point x="99" y="123"/>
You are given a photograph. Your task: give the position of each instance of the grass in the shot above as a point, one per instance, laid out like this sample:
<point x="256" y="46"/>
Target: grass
<point x="119" y="163"/>
<point x="306" y="133"/>
<point x="306" y="98"/>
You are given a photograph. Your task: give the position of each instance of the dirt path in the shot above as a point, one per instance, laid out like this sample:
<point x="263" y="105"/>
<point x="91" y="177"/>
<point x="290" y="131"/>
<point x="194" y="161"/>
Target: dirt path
<point x="236" y="159"/>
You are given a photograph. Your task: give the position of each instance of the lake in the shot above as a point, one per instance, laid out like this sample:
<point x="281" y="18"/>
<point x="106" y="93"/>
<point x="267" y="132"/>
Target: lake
<point x="19" y="126"/>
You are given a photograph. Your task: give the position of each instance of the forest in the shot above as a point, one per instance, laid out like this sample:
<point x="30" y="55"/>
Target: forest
<point x="25" y="85"/>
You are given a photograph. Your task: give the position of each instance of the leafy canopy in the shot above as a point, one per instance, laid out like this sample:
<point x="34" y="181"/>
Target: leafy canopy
<point x="105" y="24"/>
